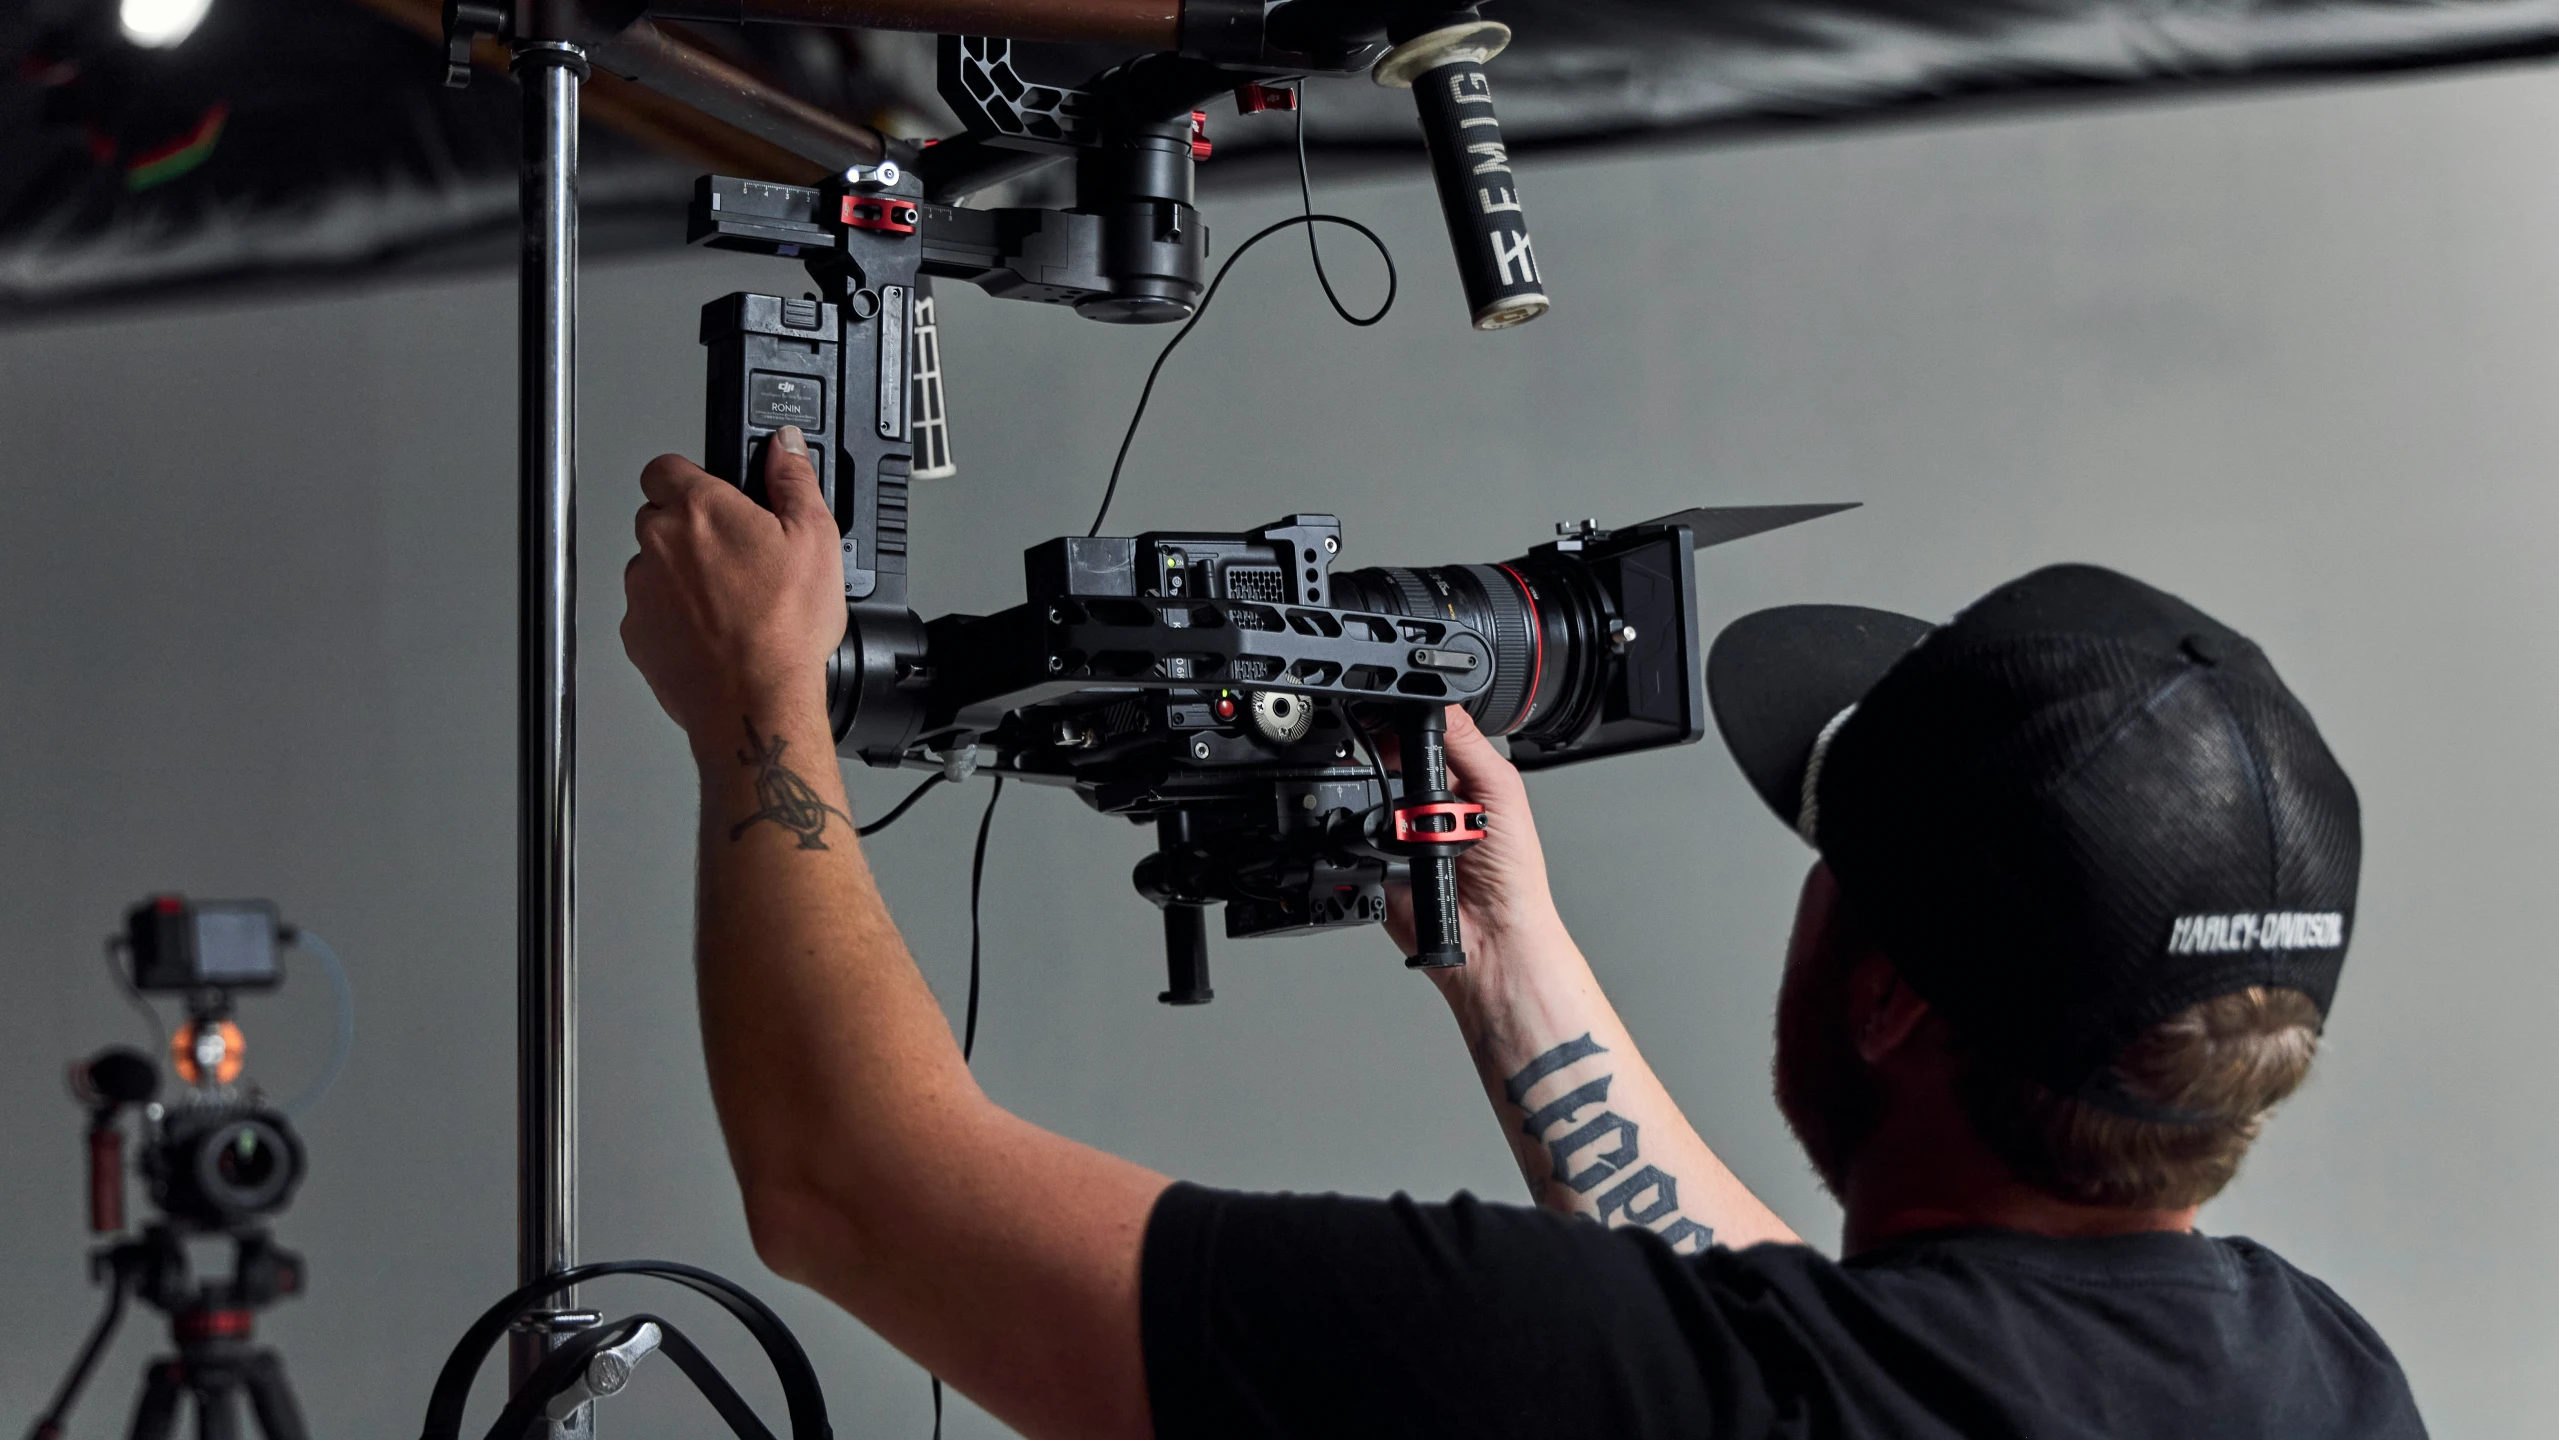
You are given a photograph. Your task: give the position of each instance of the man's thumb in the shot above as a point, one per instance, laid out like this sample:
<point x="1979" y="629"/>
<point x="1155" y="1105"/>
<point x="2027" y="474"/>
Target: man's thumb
<point x="1471" y="752"/>
<point x="790" y="479"/>
<point x="1465" y="736"/>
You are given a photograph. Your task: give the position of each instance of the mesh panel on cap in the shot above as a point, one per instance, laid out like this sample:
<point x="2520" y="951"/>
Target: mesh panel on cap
<point x="2023" y="816"/>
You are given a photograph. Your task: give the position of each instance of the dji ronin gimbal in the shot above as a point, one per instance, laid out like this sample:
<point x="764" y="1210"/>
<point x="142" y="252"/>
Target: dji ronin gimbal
<point x="1228" y="688"/>
<point x="1132" y="249"/>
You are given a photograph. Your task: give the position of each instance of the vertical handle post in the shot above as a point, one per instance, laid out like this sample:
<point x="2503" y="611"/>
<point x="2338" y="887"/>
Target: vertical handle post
<point x="1186" y="955"/>
<point x="1432" y="828"/>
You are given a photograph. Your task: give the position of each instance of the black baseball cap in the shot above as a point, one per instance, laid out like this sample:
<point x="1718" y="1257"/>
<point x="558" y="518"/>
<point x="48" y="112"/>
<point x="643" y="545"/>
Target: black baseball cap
<point x="2074" y="810"/>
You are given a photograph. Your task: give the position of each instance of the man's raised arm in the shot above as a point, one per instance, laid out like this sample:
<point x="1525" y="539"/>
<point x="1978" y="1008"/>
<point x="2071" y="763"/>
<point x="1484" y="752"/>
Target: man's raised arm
<point x="873" y="1169"/>
<point x="1590" y="1124"/>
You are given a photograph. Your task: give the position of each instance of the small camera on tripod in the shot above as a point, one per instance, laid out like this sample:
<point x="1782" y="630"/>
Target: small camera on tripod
<point x="221" y="1158"/>
<point x="218" y="1162"/>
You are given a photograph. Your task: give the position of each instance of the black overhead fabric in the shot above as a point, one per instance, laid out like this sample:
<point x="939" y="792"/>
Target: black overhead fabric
<point x="328" y="143"/>
<point x="1268" y="1316"/>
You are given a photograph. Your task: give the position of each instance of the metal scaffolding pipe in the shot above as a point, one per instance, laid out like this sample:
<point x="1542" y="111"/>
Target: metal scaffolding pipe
<point x="649" y="56"/>
<point x="1145" y="24"/>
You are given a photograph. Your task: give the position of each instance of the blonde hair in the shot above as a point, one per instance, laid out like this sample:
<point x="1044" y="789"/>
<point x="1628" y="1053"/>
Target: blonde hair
<point x="2231" y="1059"/>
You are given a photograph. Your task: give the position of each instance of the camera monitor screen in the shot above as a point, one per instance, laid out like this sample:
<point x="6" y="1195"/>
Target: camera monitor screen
<point x="179" y="944"/>
<point x="234" y="945"/>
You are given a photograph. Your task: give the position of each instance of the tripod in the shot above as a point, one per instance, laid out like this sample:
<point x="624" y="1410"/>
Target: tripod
<point x="214" y="1368"/>
<point x="212" y="1325"/>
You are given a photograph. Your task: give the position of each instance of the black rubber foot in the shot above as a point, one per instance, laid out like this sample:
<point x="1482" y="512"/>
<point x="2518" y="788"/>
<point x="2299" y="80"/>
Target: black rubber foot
<point x="1448" y="959"/>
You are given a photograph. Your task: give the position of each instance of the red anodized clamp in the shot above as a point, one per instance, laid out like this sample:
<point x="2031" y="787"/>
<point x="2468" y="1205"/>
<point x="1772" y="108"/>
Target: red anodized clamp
<point x="1466" y="823"/>
<point x="873" y="212"/>
<point x="1199" y="135"/>
<point x="215" y="1324"/>
<point x="1252" y="97"/>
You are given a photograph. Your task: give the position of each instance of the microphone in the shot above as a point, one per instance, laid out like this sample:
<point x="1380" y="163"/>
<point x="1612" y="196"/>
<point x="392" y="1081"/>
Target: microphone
<point x="113" y="1078"/>
<point x="106" y="1083"/>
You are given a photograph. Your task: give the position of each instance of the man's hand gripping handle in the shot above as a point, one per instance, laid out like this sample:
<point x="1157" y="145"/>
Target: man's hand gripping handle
<point x="1433" y="826"/>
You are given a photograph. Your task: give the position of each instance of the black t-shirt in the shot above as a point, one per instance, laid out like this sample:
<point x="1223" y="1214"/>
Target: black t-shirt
<point x="1301" y="1315"/>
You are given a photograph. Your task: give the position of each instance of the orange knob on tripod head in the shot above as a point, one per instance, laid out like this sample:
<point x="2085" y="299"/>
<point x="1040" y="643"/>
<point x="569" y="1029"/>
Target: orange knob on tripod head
<point x="207" y="1052"/>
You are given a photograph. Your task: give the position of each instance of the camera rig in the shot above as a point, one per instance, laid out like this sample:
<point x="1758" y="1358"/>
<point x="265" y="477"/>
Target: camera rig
<point x="220" y="1163"/>
<point x="1223" y="687"/>
<point x="1230" y="689"/>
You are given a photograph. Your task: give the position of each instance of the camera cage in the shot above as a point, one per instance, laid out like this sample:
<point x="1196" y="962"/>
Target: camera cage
<point x="219" y="1166"/>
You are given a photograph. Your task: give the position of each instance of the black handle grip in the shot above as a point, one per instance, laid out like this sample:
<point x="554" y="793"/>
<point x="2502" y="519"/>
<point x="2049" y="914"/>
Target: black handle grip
<point x="1486" y="228"/>
<point x="1432" y="853"/>
<point x="1436" y="943"/>
<point x="1186" y="955"/>
<point x="773" y="362"/>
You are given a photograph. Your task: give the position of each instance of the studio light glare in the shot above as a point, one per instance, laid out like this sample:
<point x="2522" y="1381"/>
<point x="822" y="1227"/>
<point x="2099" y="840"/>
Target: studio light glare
<point x="159" y="24"/>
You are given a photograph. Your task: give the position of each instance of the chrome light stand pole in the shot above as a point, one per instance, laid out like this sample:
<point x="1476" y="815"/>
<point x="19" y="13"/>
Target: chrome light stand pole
<point x="549" y="71"/>
<point x="549" y="44"/>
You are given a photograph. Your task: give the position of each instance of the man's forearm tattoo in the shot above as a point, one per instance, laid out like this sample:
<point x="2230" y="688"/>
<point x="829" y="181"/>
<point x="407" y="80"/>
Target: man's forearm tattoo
<point x="1636" y="1193"/>
<point x="781" y="795"/>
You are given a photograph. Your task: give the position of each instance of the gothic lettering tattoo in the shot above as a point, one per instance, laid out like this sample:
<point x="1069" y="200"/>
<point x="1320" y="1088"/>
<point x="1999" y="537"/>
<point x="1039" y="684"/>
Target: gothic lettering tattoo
<point x="781" y="795"/>
<point x="1589" y="1150"/>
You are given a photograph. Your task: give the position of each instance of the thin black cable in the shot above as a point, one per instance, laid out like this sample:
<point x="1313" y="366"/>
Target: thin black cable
<point x="1377" y="761"/>
<point x="1306" y="201"/>
<point x="1308" y="218"/>
<point x="968" y="1028"/>
<point x="1148" y="392"/>
<point x="134" y="997"/>
<point x="900" y="808"/>
<point x="977" y="886"/>
<point x="1367" y="742"/>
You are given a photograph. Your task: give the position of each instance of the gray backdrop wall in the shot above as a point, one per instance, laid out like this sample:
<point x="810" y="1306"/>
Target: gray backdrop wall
<point x="2292" y="357"/>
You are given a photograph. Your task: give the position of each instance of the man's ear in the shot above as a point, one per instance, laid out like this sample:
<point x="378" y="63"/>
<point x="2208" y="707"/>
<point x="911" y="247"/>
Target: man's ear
<point x="1885" y="1011"/>
<point x="1818" y="917"/>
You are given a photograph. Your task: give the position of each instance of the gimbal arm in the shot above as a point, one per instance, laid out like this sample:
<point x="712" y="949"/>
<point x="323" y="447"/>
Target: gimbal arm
<point x="1438" y="50"/>
<point x="682" y="71"/>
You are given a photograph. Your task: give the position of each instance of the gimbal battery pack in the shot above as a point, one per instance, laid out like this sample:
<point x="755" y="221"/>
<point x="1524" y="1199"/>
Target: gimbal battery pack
<point x="773" y="362"/>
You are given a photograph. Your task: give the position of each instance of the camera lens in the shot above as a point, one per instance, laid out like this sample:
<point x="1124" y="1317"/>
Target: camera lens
<point x="244" y="1166"/>
<point x="245" y="1163"/>
<point x="1542" y="615"/>
<point x="217" y="1167"/>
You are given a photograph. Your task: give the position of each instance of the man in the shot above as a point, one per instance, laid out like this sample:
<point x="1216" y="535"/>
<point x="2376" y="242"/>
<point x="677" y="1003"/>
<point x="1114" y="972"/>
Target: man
<point x="2087" y="872"/>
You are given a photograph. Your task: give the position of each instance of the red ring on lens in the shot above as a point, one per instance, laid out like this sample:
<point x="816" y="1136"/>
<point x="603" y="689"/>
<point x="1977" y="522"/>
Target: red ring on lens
<point x="1537" y="645"/>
